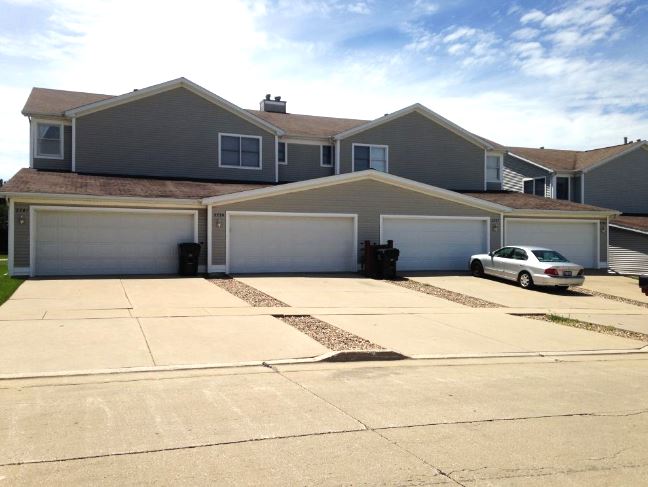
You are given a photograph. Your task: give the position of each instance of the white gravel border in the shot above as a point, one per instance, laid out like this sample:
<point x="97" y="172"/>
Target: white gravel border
<point x="328" y="335"/>
<point x="439" y="292"/>
<point x="247" y="293"/>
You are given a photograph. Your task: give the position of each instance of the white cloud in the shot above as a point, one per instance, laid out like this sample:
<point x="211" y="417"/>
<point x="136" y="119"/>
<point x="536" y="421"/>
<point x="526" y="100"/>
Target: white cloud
<point x="359" y="8"/>
<point x="525" y="34"/>
<point x="532" y="16"/>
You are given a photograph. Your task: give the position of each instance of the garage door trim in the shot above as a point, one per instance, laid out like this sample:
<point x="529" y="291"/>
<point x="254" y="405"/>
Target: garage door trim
<point x="434" y="217"/>
<point x="597" y="223"/>
<point x="228" y="227"/>
<point x="88" y="209"/>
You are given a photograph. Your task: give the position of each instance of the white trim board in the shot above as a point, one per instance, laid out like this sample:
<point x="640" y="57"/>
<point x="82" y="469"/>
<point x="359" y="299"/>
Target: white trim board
<point x="170" y="85"/>
<point x="422" y="110"/>
<point x="628" y="229"/>
<point x="75" y="209"/>
<point x="523" y="159"/>
<point x="228" y="227"/>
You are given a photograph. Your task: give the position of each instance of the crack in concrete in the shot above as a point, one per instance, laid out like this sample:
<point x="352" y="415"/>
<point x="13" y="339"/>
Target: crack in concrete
<point x="363" y="428"/>
<point x="148" y="347"/>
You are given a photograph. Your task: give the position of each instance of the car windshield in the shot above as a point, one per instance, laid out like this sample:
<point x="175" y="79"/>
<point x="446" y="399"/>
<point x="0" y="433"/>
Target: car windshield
<point x="548" y="256"/>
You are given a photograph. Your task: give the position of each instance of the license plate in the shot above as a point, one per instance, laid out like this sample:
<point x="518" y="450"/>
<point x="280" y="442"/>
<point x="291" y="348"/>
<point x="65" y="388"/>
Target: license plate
<point x="567" y="273"/>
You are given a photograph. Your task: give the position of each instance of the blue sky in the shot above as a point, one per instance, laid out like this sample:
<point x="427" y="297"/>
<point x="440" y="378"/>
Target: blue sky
<point x="568" y="74"/>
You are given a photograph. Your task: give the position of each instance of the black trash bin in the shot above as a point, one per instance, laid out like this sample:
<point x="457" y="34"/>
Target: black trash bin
<point x="387" y="259"/>
<point x="188" y="254"/>
<point x="643" y="284"/>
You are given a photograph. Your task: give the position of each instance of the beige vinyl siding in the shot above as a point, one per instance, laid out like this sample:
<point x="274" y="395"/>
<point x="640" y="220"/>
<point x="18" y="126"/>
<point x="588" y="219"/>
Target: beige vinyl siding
<point x="516" y="171"/>
<point x="621" y="184"/>
<point x="303" y="163"/>
<point x="21" y="233"/>
<point x="367" y="199"/>
<point x="628" y="251"/>
<point x="171" y="134"/>
<point x="64" y="164"/>
<point x="424" y="151"/>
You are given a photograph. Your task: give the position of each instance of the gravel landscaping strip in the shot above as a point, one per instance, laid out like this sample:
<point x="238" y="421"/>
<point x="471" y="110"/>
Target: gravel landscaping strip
<point x="247" y="293"/>
<point x="445" y="294"/>
<point x="608" y="330"/>
<point x="612" y="297"/>
<point x="328" y="335"/>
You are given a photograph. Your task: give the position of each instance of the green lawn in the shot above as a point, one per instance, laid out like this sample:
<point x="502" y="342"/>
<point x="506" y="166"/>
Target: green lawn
<point x="7" y="284"/>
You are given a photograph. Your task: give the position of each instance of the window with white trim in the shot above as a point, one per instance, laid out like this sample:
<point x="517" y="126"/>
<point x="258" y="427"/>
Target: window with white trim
<point x="327" y="156"/>
<point x="240" y="151"/>
<point x="367" y="156"/>
<point x="49" y="140"/>
<point x="535" y="186"/>
<point x="282" y="157"/>
<point x="493" y="169"/>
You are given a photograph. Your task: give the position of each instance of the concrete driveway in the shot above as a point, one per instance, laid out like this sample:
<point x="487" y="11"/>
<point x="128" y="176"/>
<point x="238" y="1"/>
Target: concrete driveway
<point x="622" y="286"/>
<point x="511" y="295"/>
<point x="73" y="325"/>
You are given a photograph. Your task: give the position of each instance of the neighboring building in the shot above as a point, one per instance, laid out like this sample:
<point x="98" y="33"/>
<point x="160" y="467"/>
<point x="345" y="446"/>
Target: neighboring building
<point x="116" y="182"/>
<point x="610" y="177"/>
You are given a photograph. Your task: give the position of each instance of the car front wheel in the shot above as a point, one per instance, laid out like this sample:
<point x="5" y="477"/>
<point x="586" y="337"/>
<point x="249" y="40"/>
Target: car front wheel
<point x="477" y="269"/>
<point x="525" y="280"/>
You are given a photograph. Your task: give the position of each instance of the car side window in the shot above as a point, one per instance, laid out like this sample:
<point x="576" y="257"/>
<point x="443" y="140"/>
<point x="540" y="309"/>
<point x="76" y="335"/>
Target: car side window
<point x="504" y="253"/>
<point x="519" y="254"/>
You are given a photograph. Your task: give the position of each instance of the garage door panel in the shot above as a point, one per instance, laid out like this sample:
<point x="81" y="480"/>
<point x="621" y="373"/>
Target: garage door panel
<point x="577" y="241"/>
<point x="69" y="242"/>
<point x="285" y="243"/>
<point x="435" y="243"/>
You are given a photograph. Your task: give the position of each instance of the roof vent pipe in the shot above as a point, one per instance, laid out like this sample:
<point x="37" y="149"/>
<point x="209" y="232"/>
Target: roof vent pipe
<point x="267" y="96"/>
<point x="277" y="98"/>
<point x="625" y="141"/>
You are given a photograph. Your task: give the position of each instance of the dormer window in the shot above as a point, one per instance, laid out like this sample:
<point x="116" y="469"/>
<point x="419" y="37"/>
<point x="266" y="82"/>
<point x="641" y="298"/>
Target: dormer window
<point x="49" y="141"/>
<point x="367" y="156"/>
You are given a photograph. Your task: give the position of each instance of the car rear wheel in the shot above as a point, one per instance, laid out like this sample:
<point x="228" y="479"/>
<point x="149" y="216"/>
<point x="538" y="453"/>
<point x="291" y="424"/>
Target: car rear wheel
<point x="477" y="269"/>
<point x="525" y="280"/>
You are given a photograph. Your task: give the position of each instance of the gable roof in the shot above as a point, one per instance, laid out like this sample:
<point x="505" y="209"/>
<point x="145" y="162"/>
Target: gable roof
<point x="32" y="181"/>
<point x="48" y="102"/>
<point x="308" y="125"/>
<point x="369" y="174"/>
<point x="426" y="112"/>
<point x="171" y="85"/>
<point x="523" y="201"/>
<point x="571" y="160"/>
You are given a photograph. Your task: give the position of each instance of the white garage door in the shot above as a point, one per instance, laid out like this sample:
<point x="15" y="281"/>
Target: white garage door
<point x="576" y="240"/>
<point x="434" y="243"/>
<point x="94" y="242"/>
<point x="280" y="242"/>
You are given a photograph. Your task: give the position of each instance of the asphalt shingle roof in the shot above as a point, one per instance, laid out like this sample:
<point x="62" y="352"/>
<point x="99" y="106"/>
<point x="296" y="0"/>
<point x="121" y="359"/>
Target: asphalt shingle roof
<point x="35" y="181"/>
<point x="522" y="201"/>
<point x="631" y="222"/>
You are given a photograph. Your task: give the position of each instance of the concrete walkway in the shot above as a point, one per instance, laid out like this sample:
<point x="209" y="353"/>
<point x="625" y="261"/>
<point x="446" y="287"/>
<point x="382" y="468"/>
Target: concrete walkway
<point x="624" y="287"/>
<point x="497" y="423"/>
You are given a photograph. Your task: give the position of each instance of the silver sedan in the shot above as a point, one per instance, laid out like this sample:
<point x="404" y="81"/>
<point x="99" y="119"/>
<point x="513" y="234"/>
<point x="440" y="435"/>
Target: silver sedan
<point x="529" y="266"/>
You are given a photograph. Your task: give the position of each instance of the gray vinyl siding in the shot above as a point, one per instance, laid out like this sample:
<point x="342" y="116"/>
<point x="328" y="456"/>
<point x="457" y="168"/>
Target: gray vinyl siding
<point x="64" y="164"/>
<point x="21" y="232"/>
<point x="516" y="171"/>
<point x="171" y="134"/>
<point x="621" y="184"/>
<point x="424" y="151"/>
<point x="628" y="252"/>
<point x="303" y="163"/>
<point x="367" y="199"/>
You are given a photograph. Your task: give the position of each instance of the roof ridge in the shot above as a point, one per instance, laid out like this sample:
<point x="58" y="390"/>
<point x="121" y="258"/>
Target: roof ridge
<point x="308" y="115"/>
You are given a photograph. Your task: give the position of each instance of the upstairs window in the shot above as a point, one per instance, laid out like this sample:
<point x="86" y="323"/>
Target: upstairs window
<point x="240" y="151"/>
<point x="49" y="140"/>
<point x="326" y="156"/>
<point x="494" y="169"/>
<point x="282" y="157"/>
<point x="370" y="157"/>
<point x="535" y="186"/>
